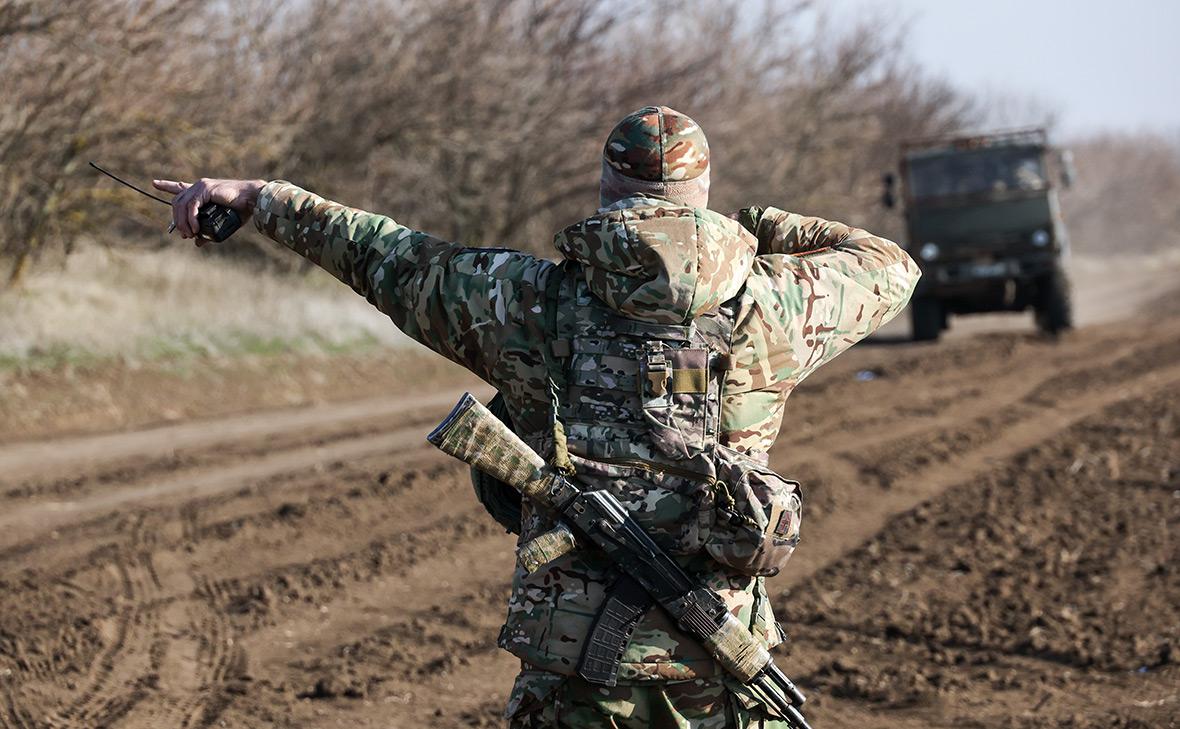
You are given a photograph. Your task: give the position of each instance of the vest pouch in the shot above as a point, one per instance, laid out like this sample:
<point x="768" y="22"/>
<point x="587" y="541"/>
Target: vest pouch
<point x="758" y="514"/>
<point x="673" y="388"/>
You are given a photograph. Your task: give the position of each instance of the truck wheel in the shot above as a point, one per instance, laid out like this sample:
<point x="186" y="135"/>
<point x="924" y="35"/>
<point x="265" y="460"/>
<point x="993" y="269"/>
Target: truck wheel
<point x="1054" y="309"/>
<point x="928" y="319"/>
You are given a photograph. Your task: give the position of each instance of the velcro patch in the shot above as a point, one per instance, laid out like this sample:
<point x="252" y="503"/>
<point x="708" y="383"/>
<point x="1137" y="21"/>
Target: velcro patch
<point x="787" y="526"/>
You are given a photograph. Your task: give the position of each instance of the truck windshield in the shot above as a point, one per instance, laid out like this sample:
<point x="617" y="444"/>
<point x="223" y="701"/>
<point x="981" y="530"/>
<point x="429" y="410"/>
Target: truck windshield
<point x="976" y="172"/>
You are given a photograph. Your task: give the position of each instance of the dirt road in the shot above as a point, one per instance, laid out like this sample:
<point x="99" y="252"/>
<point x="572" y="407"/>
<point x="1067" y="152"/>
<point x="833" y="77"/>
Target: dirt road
<point x="989" y="541"/>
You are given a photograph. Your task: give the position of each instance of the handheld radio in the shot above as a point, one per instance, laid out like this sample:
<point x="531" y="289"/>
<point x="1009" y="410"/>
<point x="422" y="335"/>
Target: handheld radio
<point x="215" y="222"/>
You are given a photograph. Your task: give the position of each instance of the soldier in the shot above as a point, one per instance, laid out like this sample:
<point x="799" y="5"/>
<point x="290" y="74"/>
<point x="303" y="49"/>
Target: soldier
<point x="655" y="360"/>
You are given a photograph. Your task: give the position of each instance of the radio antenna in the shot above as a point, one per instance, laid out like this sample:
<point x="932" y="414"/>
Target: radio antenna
<point x="128" y="184"/>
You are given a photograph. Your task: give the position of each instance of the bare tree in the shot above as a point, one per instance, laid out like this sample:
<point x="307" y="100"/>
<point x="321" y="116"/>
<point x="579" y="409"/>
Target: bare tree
<point x="1127" y="196"/>
<point x="478" y="120"/>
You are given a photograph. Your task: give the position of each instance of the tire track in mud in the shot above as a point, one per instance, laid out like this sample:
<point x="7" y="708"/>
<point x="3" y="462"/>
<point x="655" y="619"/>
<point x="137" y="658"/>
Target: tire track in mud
<point x="117" y="470"/>
<point x="1023" y="415"/>
<point x="196" y="658"/>
<point x="934" y="393"/>
<point x="21" y="460"/>
<point x="416" y="639"/>
<point x="396" y="574"/>
<point x="220" y="657"/>
<point x="28" y="520"/>
<point x="142" y="675"/>
<point x="419" y="643"/>
<point x="119" y="676"/>
<point x="199" y="612"/>
<point x="15" y="715"/>
<point x="845" y="431"/>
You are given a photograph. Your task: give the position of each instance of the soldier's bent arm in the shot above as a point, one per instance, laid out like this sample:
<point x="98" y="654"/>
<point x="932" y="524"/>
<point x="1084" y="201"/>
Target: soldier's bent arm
<point x="468" y="304"/>
<point x="831" y="286"/>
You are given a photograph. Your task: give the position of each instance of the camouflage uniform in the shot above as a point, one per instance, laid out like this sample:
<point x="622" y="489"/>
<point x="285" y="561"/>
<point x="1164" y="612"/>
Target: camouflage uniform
<point x="803" y="290"/>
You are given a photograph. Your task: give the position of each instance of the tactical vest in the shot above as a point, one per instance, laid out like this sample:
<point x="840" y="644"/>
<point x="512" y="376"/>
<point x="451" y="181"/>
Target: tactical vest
<point x="639" y="407"/>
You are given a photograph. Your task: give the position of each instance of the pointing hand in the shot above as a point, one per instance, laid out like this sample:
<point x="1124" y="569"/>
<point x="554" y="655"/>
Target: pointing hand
<point x="240" y="195"/>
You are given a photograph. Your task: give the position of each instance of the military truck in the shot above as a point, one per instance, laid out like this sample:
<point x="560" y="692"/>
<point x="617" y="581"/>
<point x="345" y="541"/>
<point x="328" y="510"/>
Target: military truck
<point x="983" y="222"/>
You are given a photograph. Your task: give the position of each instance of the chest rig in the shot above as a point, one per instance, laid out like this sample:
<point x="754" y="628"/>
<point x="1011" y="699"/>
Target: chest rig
<point x="636" y="393"/>
<point x="635" y="408"/>
<point x="634" y="399"/>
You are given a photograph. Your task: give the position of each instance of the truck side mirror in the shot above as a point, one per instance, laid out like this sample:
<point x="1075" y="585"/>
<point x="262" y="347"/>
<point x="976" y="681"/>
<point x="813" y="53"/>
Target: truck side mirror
<point x="1068" y="172"/>
<point x="888" y="197"/>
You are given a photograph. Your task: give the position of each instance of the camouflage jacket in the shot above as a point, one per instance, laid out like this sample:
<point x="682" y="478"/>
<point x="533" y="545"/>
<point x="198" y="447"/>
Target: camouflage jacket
<point x="808" y="289"/>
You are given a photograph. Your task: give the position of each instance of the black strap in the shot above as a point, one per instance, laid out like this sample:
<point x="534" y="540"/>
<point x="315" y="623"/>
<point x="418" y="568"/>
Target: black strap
<point x="562" y="286"/>
<point x="625" y="604"/>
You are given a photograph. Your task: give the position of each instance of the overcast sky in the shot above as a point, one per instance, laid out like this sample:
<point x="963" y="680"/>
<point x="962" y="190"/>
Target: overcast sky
<point x="1101" y="64"/>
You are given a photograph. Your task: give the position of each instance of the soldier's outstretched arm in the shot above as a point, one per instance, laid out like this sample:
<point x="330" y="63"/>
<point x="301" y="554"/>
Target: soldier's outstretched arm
<point x="828" y="285"/>
<point x="468" y="304"/>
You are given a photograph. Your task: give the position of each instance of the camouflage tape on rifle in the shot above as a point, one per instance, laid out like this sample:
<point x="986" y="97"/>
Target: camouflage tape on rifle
<point x="735" y="649"/>
<point x="473" y="435"/>
<point x="545" y="548"/>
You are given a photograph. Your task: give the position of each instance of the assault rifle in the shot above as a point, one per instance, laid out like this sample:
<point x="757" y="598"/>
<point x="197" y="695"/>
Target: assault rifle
<point x="473" y="435"/>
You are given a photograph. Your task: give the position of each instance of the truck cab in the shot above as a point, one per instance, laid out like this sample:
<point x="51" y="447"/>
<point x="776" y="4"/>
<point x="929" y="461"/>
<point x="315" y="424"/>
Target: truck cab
<point x="983" y="222"/>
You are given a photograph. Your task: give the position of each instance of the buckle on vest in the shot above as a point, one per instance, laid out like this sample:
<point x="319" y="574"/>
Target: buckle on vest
<point x="656" y="376"/>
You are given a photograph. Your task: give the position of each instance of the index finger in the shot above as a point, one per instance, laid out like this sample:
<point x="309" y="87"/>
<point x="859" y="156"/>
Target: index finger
<point x="170" y="186"/>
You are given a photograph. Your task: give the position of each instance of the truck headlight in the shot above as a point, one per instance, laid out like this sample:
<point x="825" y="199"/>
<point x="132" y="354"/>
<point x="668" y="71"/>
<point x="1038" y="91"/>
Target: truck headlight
<point x="1040" y="238"/>
<point x="928" y="251"/>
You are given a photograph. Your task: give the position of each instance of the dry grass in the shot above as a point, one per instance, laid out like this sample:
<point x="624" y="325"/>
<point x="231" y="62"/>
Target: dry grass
<point x="108" y="303"/>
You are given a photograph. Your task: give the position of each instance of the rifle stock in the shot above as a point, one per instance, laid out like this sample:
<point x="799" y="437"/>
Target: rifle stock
<point x="473" y="435"/>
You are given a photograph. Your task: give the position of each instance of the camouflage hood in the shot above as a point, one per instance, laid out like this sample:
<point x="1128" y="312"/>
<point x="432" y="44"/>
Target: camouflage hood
<point x="652" y="260"/>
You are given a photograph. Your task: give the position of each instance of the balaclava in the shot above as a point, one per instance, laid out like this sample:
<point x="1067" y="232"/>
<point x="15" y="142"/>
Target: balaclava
<point x="656" y="151"/>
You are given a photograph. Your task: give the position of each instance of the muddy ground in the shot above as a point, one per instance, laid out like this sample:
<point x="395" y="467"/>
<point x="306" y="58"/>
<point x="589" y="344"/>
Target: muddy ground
<point x="990" y="541"/>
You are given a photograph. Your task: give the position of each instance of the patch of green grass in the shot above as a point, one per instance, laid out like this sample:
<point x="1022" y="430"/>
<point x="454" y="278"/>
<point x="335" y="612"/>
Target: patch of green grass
<point x="167" y="348"/>
<point x="53" y="357"/>
<point x="182" y="351"/>
<point x="354" y="345"/>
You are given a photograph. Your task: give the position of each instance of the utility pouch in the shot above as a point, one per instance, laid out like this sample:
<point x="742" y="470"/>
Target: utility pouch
<point x="758" y="513"/>
<point x="673" y="388"/>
